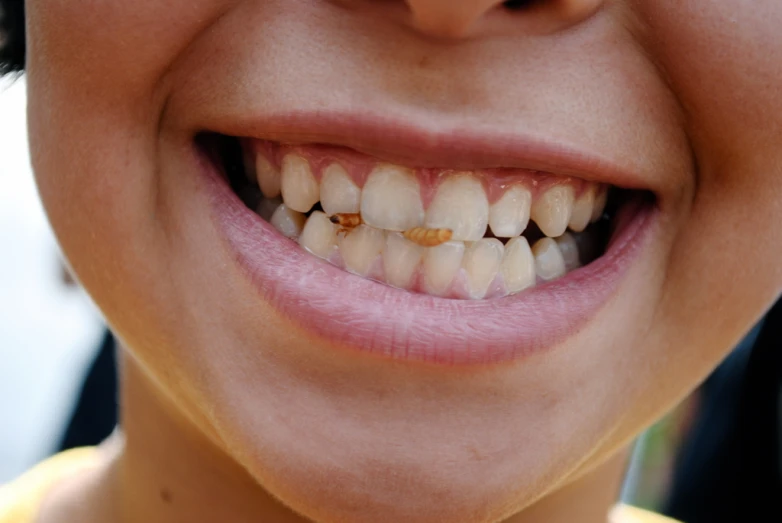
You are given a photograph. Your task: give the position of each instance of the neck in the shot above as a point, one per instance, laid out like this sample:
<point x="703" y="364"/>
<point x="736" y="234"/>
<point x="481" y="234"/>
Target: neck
<point x="164" y="470"/>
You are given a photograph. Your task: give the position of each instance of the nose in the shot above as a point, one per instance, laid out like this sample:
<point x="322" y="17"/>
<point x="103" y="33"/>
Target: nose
<point x="455" y="18"/>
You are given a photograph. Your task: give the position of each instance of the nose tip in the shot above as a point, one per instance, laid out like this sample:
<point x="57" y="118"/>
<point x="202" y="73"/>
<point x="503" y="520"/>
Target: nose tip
<point x="452" y="19"/>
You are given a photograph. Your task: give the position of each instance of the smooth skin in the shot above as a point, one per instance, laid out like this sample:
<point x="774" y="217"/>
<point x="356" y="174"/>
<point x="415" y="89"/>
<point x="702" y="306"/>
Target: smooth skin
<point x="232" y="412"/>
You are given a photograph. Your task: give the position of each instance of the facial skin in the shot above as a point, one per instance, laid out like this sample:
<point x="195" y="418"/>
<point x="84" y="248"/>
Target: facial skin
<point x="685" y="92"/>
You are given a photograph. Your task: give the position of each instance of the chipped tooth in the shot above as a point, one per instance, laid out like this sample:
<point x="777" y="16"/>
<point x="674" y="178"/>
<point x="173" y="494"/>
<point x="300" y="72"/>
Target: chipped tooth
<point x="266" y="208"/>
<point x="551" y="211"/>
<point x="319" y="235"/>
<point x="508" y="216"/>
<point x="600" y="203"/>
<point x="391" y="199"/>
<point x="360" y="247"/>
<point x="481" y="262"/>
<point x="401" y="257"/>
<point x="300" y="190"/>
<point x="338" y="192"/>
<point x="582" y="210"/>
<point x="289" y="222"/>
<point x="441" y="264"/>
<point x="569" y="249"/>
<point x="518" y="265"/>
<point x="549" y="263"/>
<point x="268" y="177"/>
<point x="460" y="204"/>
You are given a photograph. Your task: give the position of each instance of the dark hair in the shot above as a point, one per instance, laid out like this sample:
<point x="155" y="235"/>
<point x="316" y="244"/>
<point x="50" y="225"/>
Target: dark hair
<point x="11" y="36"/>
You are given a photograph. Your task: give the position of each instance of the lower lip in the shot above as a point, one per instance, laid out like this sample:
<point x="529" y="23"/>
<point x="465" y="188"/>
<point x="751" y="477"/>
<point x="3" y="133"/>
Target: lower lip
<point x="373" y="318"/>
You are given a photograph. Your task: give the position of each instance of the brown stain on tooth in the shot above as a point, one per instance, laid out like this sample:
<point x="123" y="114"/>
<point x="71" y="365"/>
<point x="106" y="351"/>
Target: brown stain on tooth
<point x="428" y="237"/>
<point x="347" y="221"/>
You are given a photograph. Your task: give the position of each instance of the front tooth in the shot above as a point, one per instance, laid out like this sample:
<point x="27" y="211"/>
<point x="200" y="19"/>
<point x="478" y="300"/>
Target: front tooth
<point x="518" y="265"/>
<point x="582" y="210"/>
<point x="549" y="263"/>
<point x="401" y="257"/>
<point x="569" y="249"/>
<point x="460" y="205"/>
<point x="391" y="199"/>
<point x="600" y="203"/>
<point x="441" y="264"/>
<point x="319" y="235"/>
<point x="508" y="216"/>
<point x="289" y="222"/>
<point x="360" y="247"/>
<point x="481" y="263"/>
<point x="268" y="177"/>
<point x="552" y="210"/>
<point x="299" y="187"/>
<point x="338" y="193"/>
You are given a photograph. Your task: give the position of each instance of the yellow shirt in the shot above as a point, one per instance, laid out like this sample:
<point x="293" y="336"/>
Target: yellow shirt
<point x="20" y="500"/>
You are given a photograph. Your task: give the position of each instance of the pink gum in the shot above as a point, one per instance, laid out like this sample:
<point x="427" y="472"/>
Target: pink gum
<point x="358" y="166"/>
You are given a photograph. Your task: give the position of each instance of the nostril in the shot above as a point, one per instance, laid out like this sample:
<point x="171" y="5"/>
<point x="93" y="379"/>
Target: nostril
<point x="516" y="5"/>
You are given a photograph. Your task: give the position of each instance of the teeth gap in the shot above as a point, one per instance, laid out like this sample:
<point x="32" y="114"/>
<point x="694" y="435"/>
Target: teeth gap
<point x="239" y="169"/>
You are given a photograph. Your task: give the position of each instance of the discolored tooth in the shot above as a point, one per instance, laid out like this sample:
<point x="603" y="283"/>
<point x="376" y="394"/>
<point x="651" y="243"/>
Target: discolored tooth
<point x="401" y="257"/>
<point x="289" y="222"/>
<point x="360" y="247"/>
<point x="549" y="263"/>
<point x="391" y="199"/>
<point x="481" y="263"/>
<point x="266" y="208"/>
<point x="508" y="216"/>
<point x="552" y="210"/>
<point x="582" y="210"/>
<point x="569" y="249"/>
<point x="518" y="265"/>
<point x="600" y="203"/>
<point x="319" y="235"/>
<point x="268" y="177"/>
<point x="300" y="190"/>
<point x="338" y="193"/>
<point x="460" y="204"/>
<point x="441" y="264"/>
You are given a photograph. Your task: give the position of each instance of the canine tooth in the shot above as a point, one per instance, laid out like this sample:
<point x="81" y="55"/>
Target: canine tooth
<point x="300" y="190"/>
<point x="481" y="262"/>
<point x="338" y="193"/>
<point x="319" y="235"/>
<point x="460" y="205"/>
<point x="600" y="203"/>
<point x="289" y="222"/>
<point x="569" y="249"/>
<point x="549" y="263"/>
<point x="268" y="177"/>
<point x="551" y="211"/>
<point x="360" y="247"/>
<point x="509" y="216"/>
<point x="518" y="265"/>
<point x="391" y="199"/>
<point x="401" y="257"/>
<point x="582" y="210"/>
<point x="441" y="264"/>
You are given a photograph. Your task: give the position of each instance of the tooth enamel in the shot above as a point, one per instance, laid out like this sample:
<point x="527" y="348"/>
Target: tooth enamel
<point x="319" y="235"/>
<point x="508" y="216"/>
<point x="300" y="190"/>
<point x="391" y="199"/>
<point x="441" y="264"/>
<point x="569" y="249"/>
<point x="266" y="208"/>
<point x="582" y="210"/>
<point x="549" y="263"/>
<point x="518" y="265"/>
<point x="600" y="203"/>
<point x="338" y="193"/>
<point x="289" y="222"/>
<point x="360" y="247"/>
<point x="460" y="205"/>
<point x="268" y="177"/>
<point x="552" y="209"/>
<point x="481" y="263"/>
<point x="401" y="257"/>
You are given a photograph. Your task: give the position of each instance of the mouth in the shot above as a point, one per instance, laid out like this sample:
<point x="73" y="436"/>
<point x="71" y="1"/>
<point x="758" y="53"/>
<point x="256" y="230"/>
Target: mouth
<point x="422" y="263"/>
